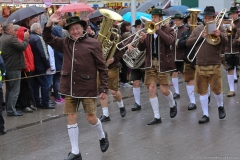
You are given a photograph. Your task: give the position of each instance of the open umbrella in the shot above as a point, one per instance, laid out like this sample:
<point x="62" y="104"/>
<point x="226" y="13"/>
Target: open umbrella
<point x="76" y="7"/>
<point x="124" y="10"/>
<point x="180" y="8"/>
<point x="146" y="5"/>
<point x="171" y="12"/>
<point x="2" y="19"/>
<point x="24" y="13"/>
<point x="96" y="14"/>
<point x="128" y="16"/>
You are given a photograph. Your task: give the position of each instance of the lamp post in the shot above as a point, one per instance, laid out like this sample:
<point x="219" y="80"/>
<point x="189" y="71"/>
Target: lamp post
<point x="133" y="11"/>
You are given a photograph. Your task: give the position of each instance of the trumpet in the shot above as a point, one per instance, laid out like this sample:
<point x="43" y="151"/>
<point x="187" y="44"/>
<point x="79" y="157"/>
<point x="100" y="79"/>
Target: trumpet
<point x="150" y="28"/>
<point x="211" y="39"/>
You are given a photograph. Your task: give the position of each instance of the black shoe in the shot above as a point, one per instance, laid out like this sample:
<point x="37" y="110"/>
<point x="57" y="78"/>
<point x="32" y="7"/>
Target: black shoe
<point x="209" y="98"/>
<point x="15" y="114"/>
<point x="48" y="107"/>
<point x="192" y="106"/>
<point x="235" y="80"/>
<point x="136" y="107"/>
<point x="204" y="119"/>
<point x="155" y="121"/>
<point x="123" y="111"/>
<point x="72" y="156"/>
<point x="104" y="143"/>
<point x="176" y="96"/>
<point x="221" y="112"/>
<point x="3" y="132"/>
<point x="104" y="118"/>
<point x="173" y="110"/>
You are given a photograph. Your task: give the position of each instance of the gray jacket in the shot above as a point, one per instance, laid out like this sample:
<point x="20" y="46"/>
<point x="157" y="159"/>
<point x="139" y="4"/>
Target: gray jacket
<point x="12" y="52"/>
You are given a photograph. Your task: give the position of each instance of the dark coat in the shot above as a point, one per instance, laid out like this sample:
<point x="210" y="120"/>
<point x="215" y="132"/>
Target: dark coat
<point x="82" y="58"/>
<point x="57" y="31"/>
<point x="12" y="52"/>
<point x="179" y="51"/>
<point x="166" y="40"/>
<point x="208" y="54"/>
<point x="232" y="37"/>
<point x="40" y="53"/>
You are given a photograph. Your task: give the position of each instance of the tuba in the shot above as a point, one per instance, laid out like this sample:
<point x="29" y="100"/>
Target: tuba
<point x="135" y="58"/>
<point x="106" y="32"/>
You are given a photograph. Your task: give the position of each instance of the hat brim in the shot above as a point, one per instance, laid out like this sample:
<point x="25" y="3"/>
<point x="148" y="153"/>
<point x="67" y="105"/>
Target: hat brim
<point x="81" y="22"/>
<point x="186" y="19"/>
<point x="229" y="12"/>
<point x="177" y="18"/>
<point x="208" y="14"/>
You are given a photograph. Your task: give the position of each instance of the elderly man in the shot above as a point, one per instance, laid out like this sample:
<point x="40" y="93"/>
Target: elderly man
<point x="42" y="64"/>
<point x="82" y="58"/>
<point x="12" y="54"/>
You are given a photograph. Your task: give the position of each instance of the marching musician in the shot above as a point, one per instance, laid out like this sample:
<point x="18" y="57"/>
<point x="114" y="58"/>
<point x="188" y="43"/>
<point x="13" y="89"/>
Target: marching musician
<point x="136" y="74"/>
<point x="113" y="83"/>
<point x="208" y="64"/>
<point x="189" y="67"/>
<point x="178" y="29"/>
<point x="232" y="52"/>
<point x="158" y="63"/>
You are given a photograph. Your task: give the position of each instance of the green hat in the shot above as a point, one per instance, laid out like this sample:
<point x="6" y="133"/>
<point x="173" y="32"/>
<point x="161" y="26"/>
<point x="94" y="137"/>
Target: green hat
<point x="178" y="16"/>
<point x="157" y="11"/>
<point x="232" y="10"/>
<point x="74" y="20"/>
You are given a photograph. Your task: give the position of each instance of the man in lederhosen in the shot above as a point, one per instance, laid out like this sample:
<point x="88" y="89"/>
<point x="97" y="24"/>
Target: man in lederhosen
<point x="208" y="64"/>
<point x="178" y="29"/>
<point x="158" y="63"/>
<point x="232" y="52"/>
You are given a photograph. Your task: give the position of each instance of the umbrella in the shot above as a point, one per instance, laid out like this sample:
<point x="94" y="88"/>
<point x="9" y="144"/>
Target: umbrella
<point x="76" y="7"/>
<point x="96" y="14"/>
<point x="171" y="12"/>
<point x="146" y="5"/>
<point x="181" y="8"/>
<point x="124" y="10"/>
<point x="2" y="19"/>
<point x="128" y="16"/>
<point x="24" y="13"/>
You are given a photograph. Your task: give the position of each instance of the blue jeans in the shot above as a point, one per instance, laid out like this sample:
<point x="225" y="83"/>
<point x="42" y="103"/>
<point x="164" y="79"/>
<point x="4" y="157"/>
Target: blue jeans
<point x="50" y="79"/>
<point x="12" y="89"/>
<point x="41" y="82"/>
<point x="56" y="85"/>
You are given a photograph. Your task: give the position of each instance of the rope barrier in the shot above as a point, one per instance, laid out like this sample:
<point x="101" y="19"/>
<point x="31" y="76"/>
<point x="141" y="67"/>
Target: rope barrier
<point x="26" y="77"/>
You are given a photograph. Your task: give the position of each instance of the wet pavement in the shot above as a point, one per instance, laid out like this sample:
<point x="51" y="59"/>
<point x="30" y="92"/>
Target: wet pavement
<point x="42" y="135"/>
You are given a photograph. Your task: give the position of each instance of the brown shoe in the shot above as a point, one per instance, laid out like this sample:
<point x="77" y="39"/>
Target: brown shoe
<point x="231" y="94"/>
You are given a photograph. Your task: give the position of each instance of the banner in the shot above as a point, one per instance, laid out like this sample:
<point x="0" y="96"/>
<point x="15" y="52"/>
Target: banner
<point x="17" y="2"/>
<point x="114" y="4"/>
<point x="48" y="3"/>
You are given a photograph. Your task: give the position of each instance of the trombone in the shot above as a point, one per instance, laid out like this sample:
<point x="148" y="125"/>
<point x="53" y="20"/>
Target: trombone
<point x="211" y="39"/>
<point x="150" y="28"/>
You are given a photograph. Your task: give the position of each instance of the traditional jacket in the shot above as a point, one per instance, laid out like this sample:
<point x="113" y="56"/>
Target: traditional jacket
<point x="166" y="40"/>
<point x="179" y="51"/>
<point x="231" y="38"/>
<point x="82" y="58"/>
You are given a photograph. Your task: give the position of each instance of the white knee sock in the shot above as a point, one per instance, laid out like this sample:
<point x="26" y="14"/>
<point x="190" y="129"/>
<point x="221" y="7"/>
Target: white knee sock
<point x="235" y="73"/>
<point x="175" y="85"/>
<point x="170" y="99"/>
<point x="204" y="104"/>
<point x="219" y="99"/>
<point x="73" y="133"/>
<point x="209" y="90"/>
<point x="191" y="95"/>
<point x="120" y="104"/>
<point x="136" y="93"/>
<point x="155" y="107"/>
<point x="105" y="111"/>
<point x="98" y="128"/>
<point x="231" y="82"/>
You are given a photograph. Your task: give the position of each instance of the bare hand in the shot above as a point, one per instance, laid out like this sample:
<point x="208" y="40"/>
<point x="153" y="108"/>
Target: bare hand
<point x="239" y="39"/>
<point x="26" y="34"/>
<point x="157" y="27"/>
<point x="103" y="96"/>
<point x="55" y="17"/>
<point x="233" y="25"/>
<point x="216" y="32"/>
<point x="204" y="34"/>
<point x="143" y="36"/>
<point x="110" y="61"/>
<point x="130" y="47"/>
